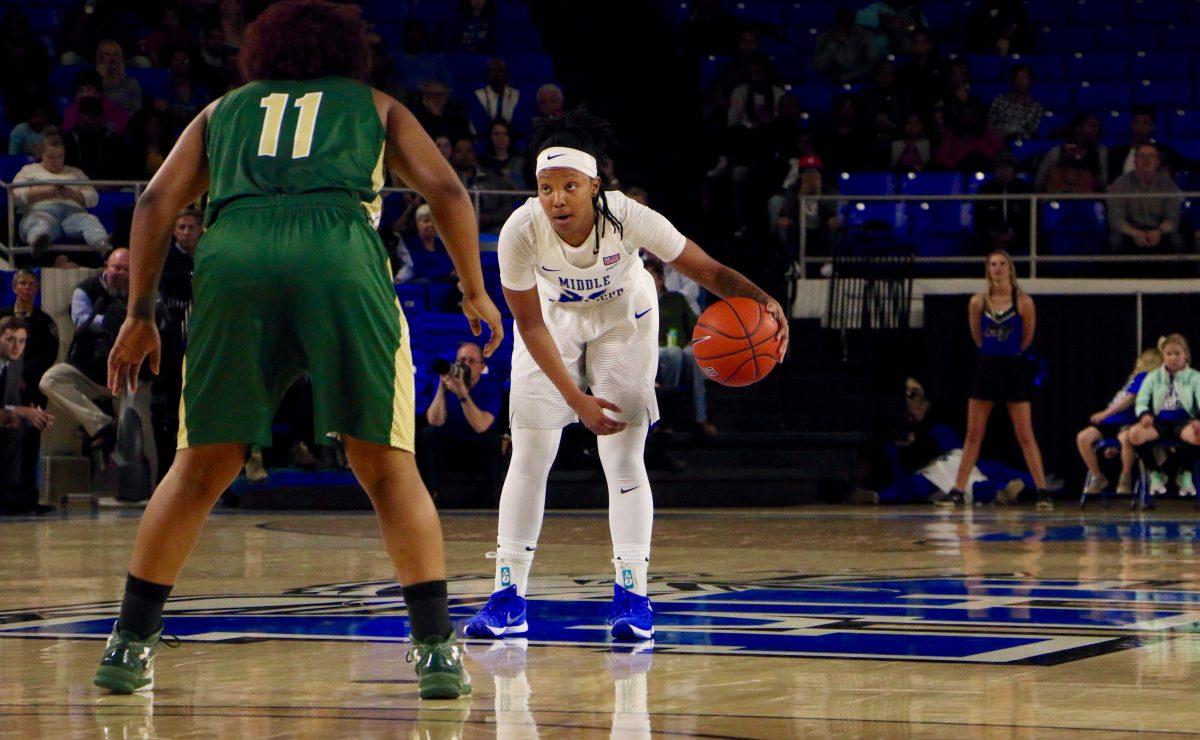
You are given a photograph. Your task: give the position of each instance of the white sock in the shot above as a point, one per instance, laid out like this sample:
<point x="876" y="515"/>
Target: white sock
<point x="631" y="565"/>
<point x="522" y="503"/>
<point x="514" y="558"/>
<point x="630" y="504"/>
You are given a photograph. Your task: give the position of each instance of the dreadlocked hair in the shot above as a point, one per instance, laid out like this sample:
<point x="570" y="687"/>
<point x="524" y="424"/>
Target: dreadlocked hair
<point x="580" y="130"/>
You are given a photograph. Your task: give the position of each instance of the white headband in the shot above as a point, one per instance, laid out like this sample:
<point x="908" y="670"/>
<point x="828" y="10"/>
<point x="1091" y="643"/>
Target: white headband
<point x="565" y="156"/>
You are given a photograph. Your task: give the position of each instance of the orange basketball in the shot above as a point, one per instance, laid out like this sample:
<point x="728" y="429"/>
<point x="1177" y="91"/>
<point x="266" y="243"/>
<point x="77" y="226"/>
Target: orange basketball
<point x="734" y="341"/>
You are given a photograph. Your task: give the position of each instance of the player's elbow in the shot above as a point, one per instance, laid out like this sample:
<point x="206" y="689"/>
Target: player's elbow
<point x="447" y="192"/>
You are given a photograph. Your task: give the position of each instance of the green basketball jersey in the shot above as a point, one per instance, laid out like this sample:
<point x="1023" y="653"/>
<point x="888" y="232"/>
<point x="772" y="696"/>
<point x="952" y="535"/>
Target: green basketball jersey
<point x="288" y="137"/>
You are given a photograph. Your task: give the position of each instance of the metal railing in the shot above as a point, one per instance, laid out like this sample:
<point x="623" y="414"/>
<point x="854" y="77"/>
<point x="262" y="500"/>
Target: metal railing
<point x="136" y="187"/>
<point x="1033" y="258"/>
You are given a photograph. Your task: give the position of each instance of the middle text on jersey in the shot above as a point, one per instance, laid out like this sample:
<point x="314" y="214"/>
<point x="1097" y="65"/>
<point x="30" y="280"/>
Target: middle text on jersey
<point x="584" y="283"/>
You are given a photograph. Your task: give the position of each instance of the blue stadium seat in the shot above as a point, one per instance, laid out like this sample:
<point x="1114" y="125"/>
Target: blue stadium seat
<point x="1097" y="66"/>
<point x="468" y="70"/>
<point x="61" y="82"/>
<point x="790" y="66"/>
<point x="106" y="209"/>
<point x="1098" y="11"/>
<point x="519" y="38"/>
<point x="711" y="66"/>
<point x="384" y="11"/>
<point x="1189" y="149"/>
<point x="1101" y="96"/>
<point x="155" y="81"/>
<point x="767" y="12"/>
<point x="941" y="17"/>
<point x="11" y="164"/>
<point x="511" y="14"/>
<point x="431" y="12"/>
<point x="815" y="96"/>
<point x="985" y="67"/>
<point x="809" y="14"/>
<point x="1052" y="121"/>
<point x="1046" y="67"/>
<point x="930" y="183"/>
<point x="1160" y="65"/>
<point x="1031" y="148"/>
<point x="939" y="218"/>
<point x="414" y="298"/>
<point x="1048" y="14"/>
<point x="1117" y="37"/>
<point x="1180" y="123"/>
<point x="1055" y="96"/>
<point x="1066" y="38"/>
<point x="1155" y="11"/>
<point x="1074" y="227"/>
<point x="43" y="19"/>
<point x="530" y="67"/>
<point x="987" y="91"/>
<point x="1163" y="93"/>
<point x="860" y="214"/>
<point x="866" y="183"/>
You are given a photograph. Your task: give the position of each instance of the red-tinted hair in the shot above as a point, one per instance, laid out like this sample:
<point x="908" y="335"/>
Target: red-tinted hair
<point x="304" y="39"/>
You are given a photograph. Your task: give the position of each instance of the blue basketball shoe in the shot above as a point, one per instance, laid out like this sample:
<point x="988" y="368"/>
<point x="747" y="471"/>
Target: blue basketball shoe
<point x="630" y="618"/>
<point x="503" y="614"/>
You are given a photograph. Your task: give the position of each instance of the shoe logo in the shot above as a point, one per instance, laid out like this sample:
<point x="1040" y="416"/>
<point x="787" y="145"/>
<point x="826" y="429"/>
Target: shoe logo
<point x="627" y="490"/>
<point x="643" y="313"/>
<point x="505" y="575"/>
<point x="514" y="619"/>
<point x="550" y="269"/>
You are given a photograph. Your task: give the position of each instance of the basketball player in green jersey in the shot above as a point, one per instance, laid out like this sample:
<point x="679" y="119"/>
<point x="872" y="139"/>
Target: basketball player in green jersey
<point x="292" y="277"/>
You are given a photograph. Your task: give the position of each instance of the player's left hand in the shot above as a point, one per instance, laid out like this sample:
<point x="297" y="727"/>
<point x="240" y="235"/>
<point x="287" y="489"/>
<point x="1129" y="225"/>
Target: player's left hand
<point x="480" y="308"/>
<point x="137" y="341"/>
<point x="781" y="319"/>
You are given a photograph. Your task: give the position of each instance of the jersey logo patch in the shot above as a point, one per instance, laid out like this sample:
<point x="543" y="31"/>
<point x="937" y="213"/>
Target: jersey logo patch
<point x="550" y="269"/>
<point x="612" y="259"/>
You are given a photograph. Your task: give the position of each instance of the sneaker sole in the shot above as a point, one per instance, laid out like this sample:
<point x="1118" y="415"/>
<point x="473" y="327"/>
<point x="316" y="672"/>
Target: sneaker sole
<point x="626" y="632"/>
<point x="487" y="632"/>
<point x="120" y="681"/>
<point x="443" y="686"/>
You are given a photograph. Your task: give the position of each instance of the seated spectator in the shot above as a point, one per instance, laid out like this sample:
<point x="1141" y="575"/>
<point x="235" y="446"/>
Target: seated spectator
<point x="87" y="86"/>
<point x="1145" y="225"/>
<point x="18" y="494"/>
<point x="919" y="458"/>
<point x="463" y="428"/>
<point x="911" y="152"/>
<point x="421" y="60"/>
<point x="50" y="211"/>
<point x="947" y="110"/>
<point x="846" y="52"/>
<point x="493" y="209"/>
<point x="924" y="75"/>
<point x="444" y="146"/>
<point x="24" y="60"/>
<point x="1122" y="160"/>
<point x="502" y="158"/>
<point x="1113" y="422"/>
<point x="86" y="26"/>
<point x="430" y="261"/>
<point x="498" y="100"/>
<point x="819" y="218"/>
<point x="550" y="101"/>
<point x="401" y="261"/>
<point x="438" y="114"/>
<point x="26" y="136"/>
<point x="1015" y="114"/>
<point x="473" y="27"/>
<point x="884" y="106"/>
<point x="968" y="145"/>
<point x="187" y="97"/>
<point x="1003" y="224"/>
<point x="98" y="308"/>
<point x="893" y="23"/>
<point x="176" y="284"/>
<point x="676" y="364"/>
<point x="212" y="69"/>
<point x="116" y="85"/>
<point x="92" y="146"/>
<point x="756" y="101"/>
<point x="150" y="141"/>
<point x="1079" y="164"/>
<point x="674" y="280"/>
<point x="170" y="36"/>
<point x="845" y="146"/>
<point x="1167" y="406"/>
<point x="999" y="27"/>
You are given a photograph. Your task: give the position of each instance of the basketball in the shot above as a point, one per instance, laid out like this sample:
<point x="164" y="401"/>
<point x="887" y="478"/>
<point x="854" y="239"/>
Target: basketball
<point x="734" y="342"/>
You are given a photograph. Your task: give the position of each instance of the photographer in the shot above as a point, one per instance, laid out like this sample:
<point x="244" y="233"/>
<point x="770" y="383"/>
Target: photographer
<point x="465" y="422"/>
<point x="98" y="308"/>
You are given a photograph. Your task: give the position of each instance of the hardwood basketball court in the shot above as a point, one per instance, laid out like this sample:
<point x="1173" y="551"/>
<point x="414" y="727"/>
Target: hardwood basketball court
<point x="803" y="622"/>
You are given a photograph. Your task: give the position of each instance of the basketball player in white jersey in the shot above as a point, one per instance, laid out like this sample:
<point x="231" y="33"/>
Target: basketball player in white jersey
<point x="586" y="314"/>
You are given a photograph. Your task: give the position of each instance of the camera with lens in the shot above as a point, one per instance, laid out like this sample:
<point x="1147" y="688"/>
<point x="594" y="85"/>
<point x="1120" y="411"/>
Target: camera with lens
<point x="453" y="369"/>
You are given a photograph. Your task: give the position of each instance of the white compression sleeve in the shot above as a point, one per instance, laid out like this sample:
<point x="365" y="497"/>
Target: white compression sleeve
<point x="522" y="502"/>
<point x="630" y="505"/>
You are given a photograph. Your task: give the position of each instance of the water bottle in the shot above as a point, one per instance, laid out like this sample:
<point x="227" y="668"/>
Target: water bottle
<point x="672" y="337"/>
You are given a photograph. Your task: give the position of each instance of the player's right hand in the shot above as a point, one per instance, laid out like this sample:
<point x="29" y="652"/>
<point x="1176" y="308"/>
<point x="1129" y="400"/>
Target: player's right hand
<point x="590" y="411"/>
<point x="481" y="308"/>
<point x="137" y="341"/>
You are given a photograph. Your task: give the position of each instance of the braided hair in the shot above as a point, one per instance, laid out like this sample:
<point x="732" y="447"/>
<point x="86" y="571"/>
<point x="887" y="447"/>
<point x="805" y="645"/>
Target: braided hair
<point x="580" y="130"/>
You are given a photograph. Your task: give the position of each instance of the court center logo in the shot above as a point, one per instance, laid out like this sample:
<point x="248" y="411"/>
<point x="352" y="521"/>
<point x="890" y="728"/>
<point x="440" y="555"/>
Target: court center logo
<point x="984" y="619"/>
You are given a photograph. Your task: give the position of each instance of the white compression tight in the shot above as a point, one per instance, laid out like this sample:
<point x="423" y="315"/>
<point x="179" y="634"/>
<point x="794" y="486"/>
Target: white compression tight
<point x="523" y="502"/>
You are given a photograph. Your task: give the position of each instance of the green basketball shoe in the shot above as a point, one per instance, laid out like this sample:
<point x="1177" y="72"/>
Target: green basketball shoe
<point x="128" y="662"/>
<point x="440" y="671"/>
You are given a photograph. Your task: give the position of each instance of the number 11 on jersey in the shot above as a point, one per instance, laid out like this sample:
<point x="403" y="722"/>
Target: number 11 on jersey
<point x="276" y="106"/>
